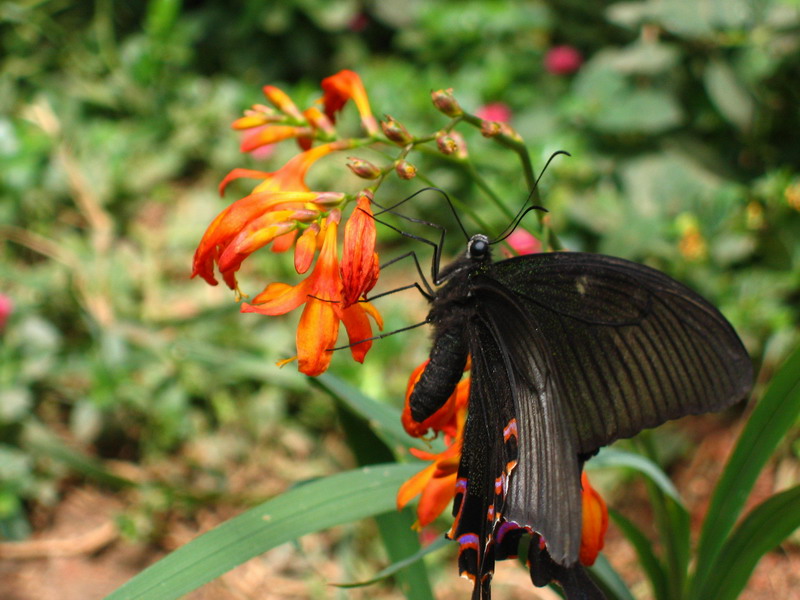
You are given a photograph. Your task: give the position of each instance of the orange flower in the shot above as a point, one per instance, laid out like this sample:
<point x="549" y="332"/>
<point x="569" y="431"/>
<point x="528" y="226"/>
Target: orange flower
<point x="595" y="522"/>
<point x="436" y="484"/>
<point x="264" y="135"/>
<point x="359" y="260"/>
<point x="246" y="225"/>
<point x="322" y="294"/>
<point x="271" y="212"/>
<point x="342" y="86"/>
<point x="291" y="176"/>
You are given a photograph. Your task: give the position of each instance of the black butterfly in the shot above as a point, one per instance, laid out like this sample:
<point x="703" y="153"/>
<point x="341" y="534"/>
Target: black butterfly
<point x="570" y="351"/>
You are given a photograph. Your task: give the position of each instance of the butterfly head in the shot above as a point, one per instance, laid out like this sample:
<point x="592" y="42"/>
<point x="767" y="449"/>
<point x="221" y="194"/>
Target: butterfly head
<point x="478" y="247"/>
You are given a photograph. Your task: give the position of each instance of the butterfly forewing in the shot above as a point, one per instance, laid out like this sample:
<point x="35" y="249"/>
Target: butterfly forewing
<point x="627" y="347"/>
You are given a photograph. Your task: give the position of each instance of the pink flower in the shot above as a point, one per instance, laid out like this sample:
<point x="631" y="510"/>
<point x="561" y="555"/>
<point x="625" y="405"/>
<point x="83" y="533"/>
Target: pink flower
<point x="562" y="60"/>
<point x="523" y="242"/>
<point x="494" y="111"/>
<point x="6" y="308"/>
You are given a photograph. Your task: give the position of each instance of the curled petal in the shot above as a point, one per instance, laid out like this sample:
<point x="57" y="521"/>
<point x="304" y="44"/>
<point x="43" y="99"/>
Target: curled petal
<point x="291" y="176"/>
<point x="306" y="248"/>
<point x="595" y="522"/>
<point x="239" y="173"/>
<point x="256" y="234"/>
<point x="342" y="86"/>
<point x="358" y="268"/>
<point x="373" y="312"/>
<point x="278" y="299"/>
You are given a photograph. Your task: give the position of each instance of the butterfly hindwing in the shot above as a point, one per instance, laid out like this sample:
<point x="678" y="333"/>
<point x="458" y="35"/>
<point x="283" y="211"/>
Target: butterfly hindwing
<point x="544" y="488"/>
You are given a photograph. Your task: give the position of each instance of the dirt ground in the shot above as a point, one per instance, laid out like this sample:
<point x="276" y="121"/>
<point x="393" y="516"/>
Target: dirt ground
<point x="78" y="552"/>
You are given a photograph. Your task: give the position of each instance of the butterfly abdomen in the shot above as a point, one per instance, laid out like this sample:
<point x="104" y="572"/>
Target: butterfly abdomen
<point x="437" y="382"/>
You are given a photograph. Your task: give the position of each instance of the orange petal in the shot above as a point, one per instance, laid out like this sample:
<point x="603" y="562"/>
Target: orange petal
<point x="306" y="248"/>
<point x="283" y="242"/>
<point x="268" y="134"/>
<point x="316" y="335"/>
<point x="238" y="174"/>
<point x="281" y="101"/>
<point x="358" y="328"/>
<point x="414" y="486"/>
<point x="373" y="312"/>
<point x="278" y="299"/>
<point x="436" y="496"/>
<point x="358" y="254"/>
<point x="257" y="234"/>
<point x="595" y="522"/>
<point x="342" y="86"/>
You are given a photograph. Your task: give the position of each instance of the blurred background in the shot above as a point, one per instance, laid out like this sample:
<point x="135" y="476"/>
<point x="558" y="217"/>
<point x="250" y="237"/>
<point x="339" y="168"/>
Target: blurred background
<point x="138" y="407"/>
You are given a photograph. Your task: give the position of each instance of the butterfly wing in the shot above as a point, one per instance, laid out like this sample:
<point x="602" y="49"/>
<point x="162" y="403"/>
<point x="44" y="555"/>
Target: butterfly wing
<point x="544" y="481"/>
<point x="629" y="347"/>
<point x="489" y="455"/>
<point x="592" y="348"/>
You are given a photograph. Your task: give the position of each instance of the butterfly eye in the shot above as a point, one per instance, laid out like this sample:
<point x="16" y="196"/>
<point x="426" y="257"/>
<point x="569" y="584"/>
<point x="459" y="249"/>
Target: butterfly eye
<point x="478" y="246"/>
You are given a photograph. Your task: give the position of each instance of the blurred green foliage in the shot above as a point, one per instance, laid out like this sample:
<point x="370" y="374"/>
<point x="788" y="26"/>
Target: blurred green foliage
<point x="114" y="120"/>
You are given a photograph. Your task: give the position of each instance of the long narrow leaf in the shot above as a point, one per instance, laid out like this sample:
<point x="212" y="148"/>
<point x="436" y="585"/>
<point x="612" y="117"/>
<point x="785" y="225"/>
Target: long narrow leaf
<point x="399" y="539"/>
<point x="775" y="413"/>
<point x="644" y="551"/>
<point x="314" y="506"/>
<point x="383" y="419"/>
<point x="401" y="564"/>
<point x="610" y="457"/>
<point x="609" y="580"/>
<point x="763" y="529"/>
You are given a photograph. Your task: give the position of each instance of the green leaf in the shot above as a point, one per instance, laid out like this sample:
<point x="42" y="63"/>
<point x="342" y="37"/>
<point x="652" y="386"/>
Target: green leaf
<point x="644" y="550"/>
<point x="401" y="564"/>
<point x="310" y="507"/>
<point x="732" y="100"/>
<point x="763" y="529"/>
<point x="383" y="419"/>
<point x="399" y="539"/>
<point x="609" y="580"/>
<point x="772" y="417"/>
<point x="610" y="457"/>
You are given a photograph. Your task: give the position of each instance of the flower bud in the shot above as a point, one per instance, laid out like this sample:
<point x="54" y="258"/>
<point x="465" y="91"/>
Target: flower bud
<point x="395" y="131"/>
<point x="281" y="101"/>
<point x="305" y="215"/>
<point x="405" y="170"/>
<point x="446" y="144"/>
<point x="329" y="199"/>
<point x="363" y="168"/>
<point x="446" y="103"/>
<point x="490" y="129"/>
<point x="452" y="143"/>
<point x="305" y="248"/>
<point x="318" y="120"/>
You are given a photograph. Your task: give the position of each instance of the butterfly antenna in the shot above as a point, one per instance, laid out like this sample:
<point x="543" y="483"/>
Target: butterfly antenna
<point x="425" y="189"/>
<point x="524" y="210"/>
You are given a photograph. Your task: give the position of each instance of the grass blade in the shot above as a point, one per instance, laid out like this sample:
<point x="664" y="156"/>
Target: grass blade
<point x="763" y="529"/>
<point x="772" y="417"/>
<point x="310" y="507"/>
